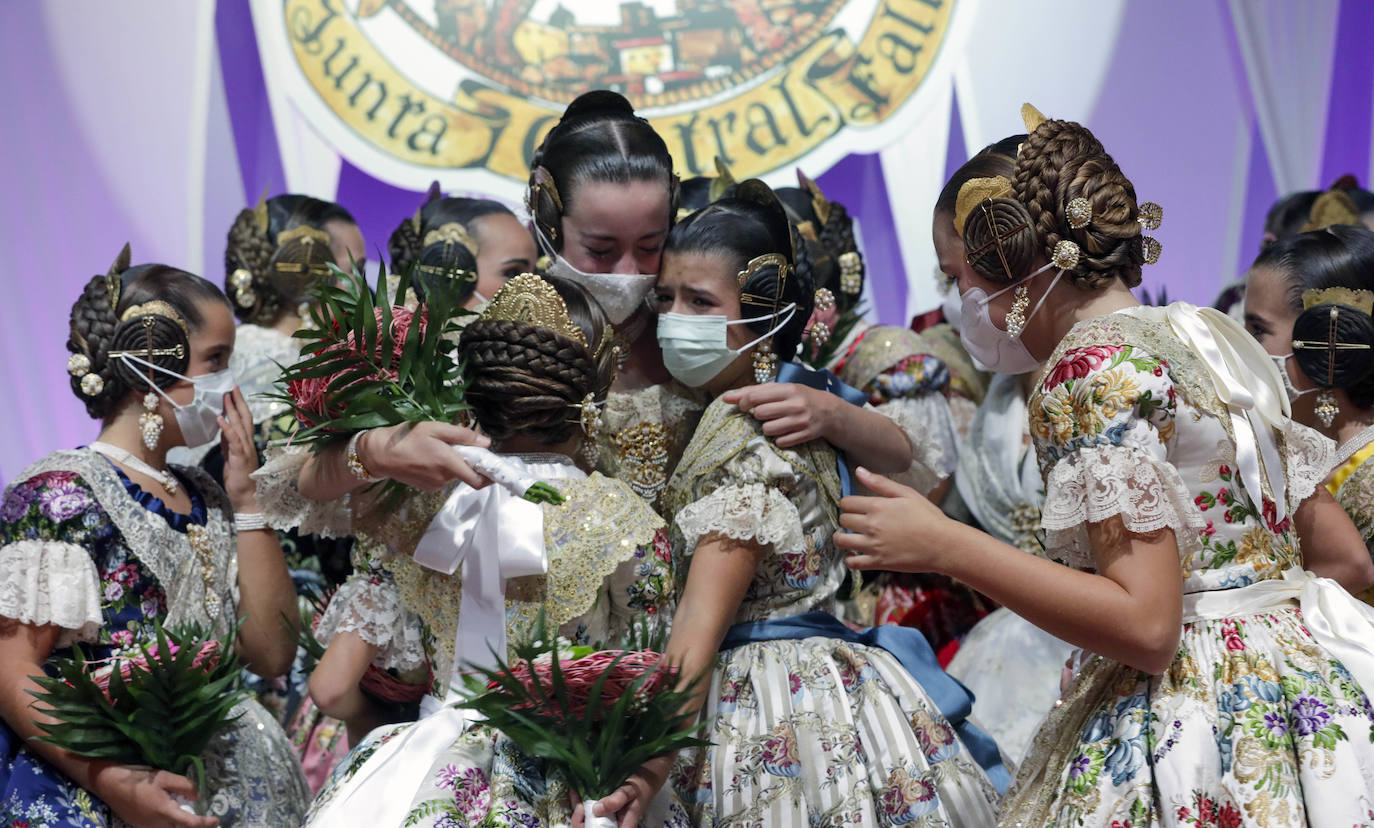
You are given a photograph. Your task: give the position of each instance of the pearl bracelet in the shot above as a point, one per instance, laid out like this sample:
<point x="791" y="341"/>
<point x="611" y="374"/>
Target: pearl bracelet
<point x="355" y="463"/>
<point x="249" y="522"/>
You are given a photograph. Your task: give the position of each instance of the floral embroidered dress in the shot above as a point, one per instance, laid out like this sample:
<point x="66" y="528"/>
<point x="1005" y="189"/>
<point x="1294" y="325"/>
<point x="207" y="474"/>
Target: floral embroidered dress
<point x="1254" y="723"/>
<point x="814" y="730"/>
<point x="608" y="567"/>
<point x="88" y="551"/>
<point x="642" y="435"/>
<point x="1352" y="484"/>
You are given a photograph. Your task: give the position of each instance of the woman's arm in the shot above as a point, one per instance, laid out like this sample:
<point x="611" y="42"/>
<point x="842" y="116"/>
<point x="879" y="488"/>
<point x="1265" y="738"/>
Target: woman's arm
<point x="1130" y="612"/>
<point x="1331" y="545"/>
<point x="793" y="414"/>
<point x="140" y="796"/>
<point x="267" y="600"/>
<point x="334" y="685"/>
<point x="418" y="455"/>
<point x="716" y="583"/>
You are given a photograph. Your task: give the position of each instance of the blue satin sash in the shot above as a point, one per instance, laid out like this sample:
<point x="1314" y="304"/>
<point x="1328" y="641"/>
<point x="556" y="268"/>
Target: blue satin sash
<point x="912" y="651"/>
<point x="823" y="380"/>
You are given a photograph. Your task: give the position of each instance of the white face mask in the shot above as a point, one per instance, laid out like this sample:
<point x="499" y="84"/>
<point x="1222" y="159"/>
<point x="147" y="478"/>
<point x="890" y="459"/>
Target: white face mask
<point x="619" y="294"/>
<point x="988" y="344"/>
<point x="1288" y="386"/>
<point x="198" y="419"/>
<point x="695" y="349"/>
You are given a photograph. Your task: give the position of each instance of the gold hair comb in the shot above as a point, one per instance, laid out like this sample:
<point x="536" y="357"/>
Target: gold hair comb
<point x="528" y="298"/>
<point x="1355" y="298"/>
<point x="304" y="233"/>
<point x="974" y="192"/>
<point x="451" y="233"/>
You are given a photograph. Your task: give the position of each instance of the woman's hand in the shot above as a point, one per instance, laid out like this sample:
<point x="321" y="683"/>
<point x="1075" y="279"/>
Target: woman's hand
<point x="791" y="413"/>
<point x="143" y="796"/>
<point x="898" y="531"/>
<point x="631" y="800"/>
<point x="421" y="455"/>
<point x="240" y="454"/>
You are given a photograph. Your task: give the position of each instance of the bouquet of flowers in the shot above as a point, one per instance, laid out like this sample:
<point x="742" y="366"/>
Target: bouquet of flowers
<point x="159" y="708"/>
<point x="370" y="361"/>
<point x="594" y="715"/>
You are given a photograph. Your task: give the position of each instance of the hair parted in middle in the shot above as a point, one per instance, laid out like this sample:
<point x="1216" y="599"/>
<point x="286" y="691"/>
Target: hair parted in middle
<point x="1058" y="163"/>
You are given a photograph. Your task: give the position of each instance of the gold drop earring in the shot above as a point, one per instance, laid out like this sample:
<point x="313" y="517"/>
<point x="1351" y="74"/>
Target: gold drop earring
<point x="765" y="362"/>
<point x="1327" y="407"/>
<point x="150" y="421"/>
<point x="1016" y="317"/>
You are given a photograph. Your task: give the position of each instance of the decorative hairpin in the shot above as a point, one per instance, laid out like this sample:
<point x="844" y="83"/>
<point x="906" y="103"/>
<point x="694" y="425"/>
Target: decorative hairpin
<point x="156" y="307"/>
<point x="1355" y="298"/>
<point x="589" y="416"/>
<point x="303" y="233"/>
<point x="113" y="281"/>
<point x="1151" y="248"/>
<point x="851" y="272"/>
<point x="975" y="191"/>
<point x="722" y="181"/>
<point x="79" y="365"/>
<point x="528" y="298"/>
<point x="825" y="300"/>
<point x="451" y="233"/>
<point x="1079" y="212"/>
<point x="819" y="202"/>
<point x="766" y="260"/>
<point x="1065" y="255"/>
<point x="1150" y="215"/>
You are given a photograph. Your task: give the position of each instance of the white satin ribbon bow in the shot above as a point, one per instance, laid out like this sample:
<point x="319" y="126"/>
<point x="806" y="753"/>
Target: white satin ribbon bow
<point x="494" y="534"/>
<point x="1340" y="623"/>
<point x="1248" y="383"/>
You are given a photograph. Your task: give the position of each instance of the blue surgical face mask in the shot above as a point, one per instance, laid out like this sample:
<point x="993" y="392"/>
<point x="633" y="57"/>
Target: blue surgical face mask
<point x="695" y="348"/>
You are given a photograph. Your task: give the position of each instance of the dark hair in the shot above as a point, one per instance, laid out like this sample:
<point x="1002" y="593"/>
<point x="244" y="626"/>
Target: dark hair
<point x="1338" y="256"/>
<point x="743" y="227"/>
<point x="441" y="257"/>
<point x="1288" y="215"/>
<point x="694" y="194"/>
<point x="97" y="329"/>
<point x="599" y="138"/>
<point x="998" y="158"/>
<point x="527" y="379"/>
<point x="252" y="243"/>
<point x="1058" y="162"/>
<point x="834" y="238"/>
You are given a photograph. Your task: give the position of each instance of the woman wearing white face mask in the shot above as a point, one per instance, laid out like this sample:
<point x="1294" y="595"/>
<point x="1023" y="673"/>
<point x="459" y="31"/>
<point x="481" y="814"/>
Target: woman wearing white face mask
<point x="103" y="541"/>
<point x="751" y="526"/>
<point x="1177" y="492"/>
<point x="602" y="198"/>
<point x="1302" y="295"/>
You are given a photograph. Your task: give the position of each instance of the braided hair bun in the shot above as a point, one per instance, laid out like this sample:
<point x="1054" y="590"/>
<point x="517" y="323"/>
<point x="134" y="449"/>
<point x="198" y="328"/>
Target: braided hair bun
<point x="527" y="379"/>
<point x="1060" y="161"/>
<point x="98" y="329"/>
<point x="248" y="277"/>
<point x="446" y="253"/>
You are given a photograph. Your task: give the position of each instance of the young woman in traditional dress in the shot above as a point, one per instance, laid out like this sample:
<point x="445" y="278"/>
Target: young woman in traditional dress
<point x="1227" y="685"/>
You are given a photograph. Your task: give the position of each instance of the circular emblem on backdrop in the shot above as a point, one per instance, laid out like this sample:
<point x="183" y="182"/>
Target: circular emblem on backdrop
<point x="423" y="86"/>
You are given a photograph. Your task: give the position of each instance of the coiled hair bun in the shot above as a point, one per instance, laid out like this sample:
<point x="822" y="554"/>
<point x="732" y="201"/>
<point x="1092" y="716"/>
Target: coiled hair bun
<point x="1338" y="367"/>
<point x="1000" y="241"/>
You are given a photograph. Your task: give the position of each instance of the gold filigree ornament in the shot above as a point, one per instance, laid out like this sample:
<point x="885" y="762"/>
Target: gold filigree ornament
<point x="851" y="272"/>
<point x="1016" y="317"/>
<point x="1079" y="213"/>
<point x="451" y="233"/>
<point x="303" y="233"/>
<point x="760" y="262"/>
<point x="92" y="385"/>
<point x="241" y="282"/>
<point x="643" y="450"/>
<point x="975" y="191"/>
<point x="528" y="298"/>
<point x="1151" y="248"/>
<point x="1150" y="215"/>
<point x="589" y="416"/>
<point x="1065" y="255"/>
<point x="78" y="365"/>
<point x="825" y="300"/>
<point x="1355" y="298"/>
<point x="113" y="283"/>
<point x="205" y="556"/>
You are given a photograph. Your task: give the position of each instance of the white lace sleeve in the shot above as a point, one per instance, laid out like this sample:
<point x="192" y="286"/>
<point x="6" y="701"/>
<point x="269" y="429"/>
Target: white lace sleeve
<point x="927" y="423"/>
<point x="1311" y="456"/>
<point x="51" y="582"/>
<point x="286" y="508"/>
<point x="743" y="511"/>
<point x="371" y="607"/>
<point x="1096" y="483"/>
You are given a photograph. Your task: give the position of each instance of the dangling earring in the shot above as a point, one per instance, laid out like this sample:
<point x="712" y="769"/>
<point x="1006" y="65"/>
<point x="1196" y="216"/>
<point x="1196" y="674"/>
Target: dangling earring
<point x="1327" y="408"/>
<point x="150" y="422"/>
<point x="765" y="362"/>
<point x="1016" y="317"/>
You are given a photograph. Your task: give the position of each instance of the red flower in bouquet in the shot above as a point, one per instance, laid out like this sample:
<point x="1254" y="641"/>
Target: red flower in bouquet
<point x="207" y="658"/>
<point x="621" y="669"/>
<point x="312" y="396"/>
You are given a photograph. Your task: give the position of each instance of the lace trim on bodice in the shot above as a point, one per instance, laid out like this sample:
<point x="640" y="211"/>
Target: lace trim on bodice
<point x="286" y="508"/>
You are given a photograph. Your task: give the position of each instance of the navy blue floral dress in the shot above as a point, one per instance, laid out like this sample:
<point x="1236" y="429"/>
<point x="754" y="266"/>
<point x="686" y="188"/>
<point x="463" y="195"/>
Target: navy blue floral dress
<point x="69" y="528"/>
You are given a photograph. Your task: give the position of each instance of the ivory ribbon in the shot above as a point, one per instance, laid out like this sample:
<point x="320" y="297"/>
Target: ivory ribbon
<point x="494" y="534"/>
<point x="1339" y="622"/>
<point x="1248" y="383"/>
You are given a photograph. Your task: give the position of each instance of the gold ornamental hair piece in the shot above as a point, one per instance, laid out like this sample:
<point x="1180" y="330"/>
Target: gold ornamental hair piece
<point x="1065" y="255"/>
<point x="1079" y="212"/>
<point x="528" y="298"/>
<point x="113" y="282"/>
<point x="1332" y="208"/>
<point x="1355" y="298"/>
<point x="723" y="181"/>
<point x="1032" y="117"/>
<point x="766" y="260"/>
<point x="260" y="217"/>
<point x="451" y="233"/>
<point x="543" y="180"/>
<point x="178" y="350"/>
<point x="303" y="233"/>
<point x="974" y="192"/>
<point x="156" y="307"/>
<point x="819" y="202"/>
<point x="1150" y="215"/>
<point x="1331" y="345"/>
